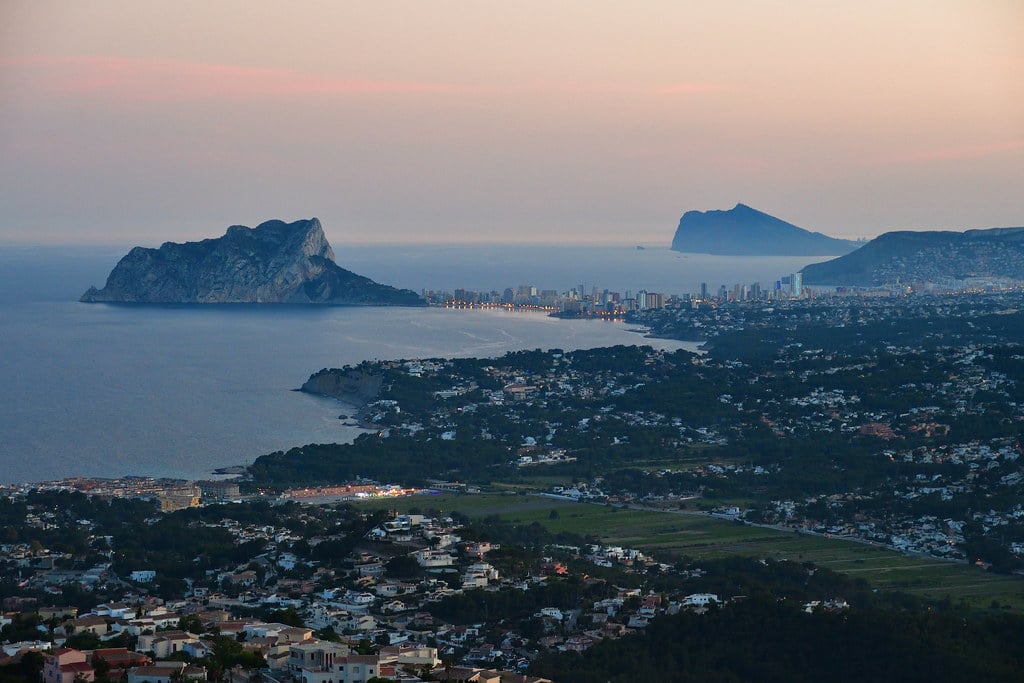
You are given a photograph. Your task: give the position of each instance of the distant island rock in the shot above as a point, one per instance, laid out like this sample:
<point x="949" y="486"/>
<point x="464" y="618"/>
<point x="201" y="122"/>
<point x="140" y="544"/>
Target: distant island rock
<point x="939" y="257"/>
<point x="275" y="262"/>
<point x="743" y="231"/>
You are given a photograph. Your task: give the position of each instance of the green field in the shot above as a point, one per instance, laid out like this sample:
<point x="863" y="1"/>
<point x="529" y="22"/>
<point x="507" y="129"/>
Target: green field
<point x="699" y="536"/>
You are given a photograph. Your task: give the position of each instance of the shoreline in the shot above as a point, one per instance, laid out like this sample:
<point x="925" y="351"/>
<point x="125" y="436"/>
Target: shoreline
<point x="117" y="437"/>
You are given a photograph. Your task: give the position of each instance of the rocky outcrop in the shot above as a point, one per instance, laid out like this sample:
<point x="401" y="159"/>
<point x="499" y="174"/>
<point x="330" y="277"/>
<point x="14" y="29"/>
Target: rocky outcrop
<point x="275" y="262"/>
<point x="743" y="231"/>
<point x="348" y="385"/>
<point x="939" y="257"/>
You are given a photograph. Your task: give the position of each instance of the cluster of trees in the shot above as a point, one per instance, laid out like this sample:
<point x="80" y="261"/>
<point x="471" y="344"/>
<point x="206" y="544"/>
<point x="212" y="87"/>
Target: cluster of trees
<point x="28" y="668"/>
<point x="63" y="509"/>
<point x="512" y="604"/>
<point x="777" y="642"/>
<point x="531" y="537"/>
<point x="399" y="458"/>
<point x="176" y="550"/>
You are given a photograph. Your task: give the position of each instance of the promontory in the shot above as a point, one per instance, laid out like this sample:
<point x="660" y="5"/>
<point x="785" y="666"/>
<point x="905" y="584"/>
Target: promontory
<point x="745" y="231"/>
<point x="275" y="262"/>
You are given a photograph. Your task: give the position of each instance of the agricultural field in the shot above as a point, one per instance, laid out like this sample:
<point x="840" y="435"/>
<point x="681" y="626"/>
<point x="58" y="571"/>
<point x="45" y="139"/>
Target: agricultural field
<point x="698" y="536"/>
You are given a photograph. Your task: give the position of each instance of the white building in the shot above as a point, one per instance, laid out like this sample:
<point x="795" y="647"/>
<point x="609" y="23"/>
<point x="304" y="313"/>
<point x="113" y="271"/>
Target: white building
<point x="433" y="558"/>
<point x="700" y="600"/>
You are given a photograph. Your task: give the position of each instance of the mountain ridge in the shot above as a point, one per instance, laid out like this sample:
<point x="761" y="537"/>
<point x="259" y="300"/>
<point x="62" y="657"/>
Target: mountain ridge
<point x="936" y="256"/>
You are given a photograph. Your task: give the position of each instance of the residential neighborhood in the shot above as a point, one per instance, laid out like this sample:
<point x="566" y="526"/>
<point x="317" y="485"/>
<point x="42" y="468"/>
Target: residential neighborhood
<point x="336" y="562"/>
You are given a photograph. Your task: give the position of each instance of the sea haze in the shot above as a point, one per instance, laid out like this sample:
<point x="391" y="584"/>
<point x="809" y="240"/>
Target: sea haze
<point x="101" y="390"/>
<point x="560" y="267"/>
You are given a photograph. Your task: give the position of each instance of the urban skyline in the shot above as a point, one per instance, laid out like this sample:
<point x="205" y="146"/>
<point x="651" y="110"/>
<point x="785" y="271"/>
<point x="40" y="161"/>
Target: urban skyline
<point x="604" y="301"/>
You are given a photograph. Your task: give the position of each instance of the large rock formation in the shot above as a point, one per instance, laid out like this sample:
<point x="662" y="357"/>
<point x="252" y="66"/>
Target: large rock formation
<point x="355" y="386"/>
<point x="743" y="231"/>
<point x="275" y="262"/>
<point x="938" y="257"/>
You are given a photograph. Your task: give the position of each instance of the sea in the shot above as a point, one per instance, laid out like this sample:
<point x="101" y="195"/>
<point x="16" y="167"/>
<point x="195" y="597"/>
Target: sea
<point x="102" y="390"/>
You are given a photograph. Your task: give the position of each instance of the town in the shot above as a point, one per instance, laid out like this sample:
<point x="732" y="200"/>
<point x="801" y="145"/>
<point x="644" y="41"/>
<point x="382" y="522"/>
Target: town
<point x="894" y="422"/>
<point x="598" y="302"/>
<point x="318" y="593"/>
<point x="580" y="302"/>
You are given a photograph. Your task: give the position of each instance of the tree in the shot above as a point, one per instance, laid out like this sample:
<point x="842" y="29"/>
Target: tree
<point x="366" y="647"/>
<point x="286" y="616"/>
<point x="403" y="566"/>
<point x="83" y="640"/>
<point x="29" y="668"/>
<point x="192" y="624"/>
<point x="328" y="633"/>
<point x="101" y="667"/>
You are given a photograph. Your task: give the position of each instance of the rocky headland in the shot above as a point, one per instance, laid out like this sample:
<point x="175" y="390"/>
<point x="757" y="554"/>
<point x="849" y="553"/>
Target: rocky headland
<point x="744" y="231"/>
<point x="275" y="262"/>
<point x="348" y="385"/>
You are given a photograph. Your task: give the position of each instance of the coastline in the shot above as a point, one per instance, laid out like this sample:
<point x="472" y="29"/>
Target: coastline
<point x="221" y="395"/>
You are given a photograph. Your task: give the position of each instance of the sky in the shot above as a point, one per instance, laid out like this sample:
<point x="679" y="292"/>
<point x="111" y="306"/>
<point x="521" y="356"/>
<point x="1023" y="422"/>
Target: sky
<point x="532" y="121"/>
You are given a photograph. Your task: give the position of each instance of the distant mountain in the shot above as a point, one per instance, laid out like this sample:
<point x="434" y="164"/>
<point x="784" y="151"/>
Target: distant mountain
<point x="275" y="262"/>
<point x="920" y="257"/>
<point x="743" y="231"/>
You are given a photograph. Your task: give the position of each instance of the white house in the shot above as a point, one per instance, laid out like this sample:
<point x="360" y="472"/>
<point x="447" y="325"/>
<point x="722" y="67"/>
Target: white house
<point x="700" y="600"/>
<point x="433" y="558"/>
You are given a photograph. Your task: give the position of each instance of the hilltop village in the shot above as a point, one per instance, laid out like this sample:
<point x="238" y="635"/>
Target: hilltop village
<point x="894" y="422"/>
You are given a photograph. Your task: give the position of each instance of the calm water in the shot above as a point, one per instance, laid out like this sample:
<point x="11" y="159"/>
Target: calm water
<point x="100" y="390"/>
<point x="616" y="268"/>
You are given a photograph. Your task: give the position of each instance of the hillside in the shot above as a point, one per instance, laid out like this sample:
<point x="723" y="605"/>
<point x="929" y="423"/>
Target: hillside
<point x="907" y="257"/>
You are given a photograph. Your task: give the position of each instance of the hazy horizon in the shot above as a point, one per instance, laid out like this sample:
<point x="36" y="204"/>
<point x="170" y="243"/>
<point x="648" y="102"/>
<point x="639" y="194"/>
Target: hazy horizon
<point x="567" y="122"/>
<point x="154" y="241"/>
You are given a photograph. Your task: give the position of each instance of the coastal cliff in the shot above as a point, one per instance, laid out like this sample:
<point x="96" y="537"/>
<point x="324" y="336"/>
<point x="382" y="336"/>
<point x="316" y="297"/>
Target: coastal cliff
<point x="275" y="262"/>
<point x="348" y="385"/>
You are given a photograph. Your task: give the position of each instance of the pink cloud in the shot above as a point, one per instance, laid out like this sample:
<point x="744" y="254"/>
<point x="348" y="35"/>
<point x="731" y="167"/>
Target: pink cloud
<point x="689" y="88"/>
<point x="174" y="80"/>
<point x="166" y="80"/>
<point x="618" y="88"/>
<point x="150" y="79"/>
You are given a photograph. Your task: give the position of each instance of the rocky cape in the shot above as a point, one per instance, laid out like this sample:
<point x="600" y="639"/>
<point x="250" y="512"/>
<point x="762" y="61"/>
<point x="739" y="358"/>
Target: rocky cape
<point x="743" y="231"/>
<point x="937" y="257"/>
<point x="353" y="386"/>
<point x="275" y="262"/>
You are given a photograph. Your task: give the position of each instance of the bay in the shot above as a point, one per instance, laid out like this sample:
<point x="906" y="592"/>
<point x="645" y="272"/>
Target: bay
<point x="102" y="390"/>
